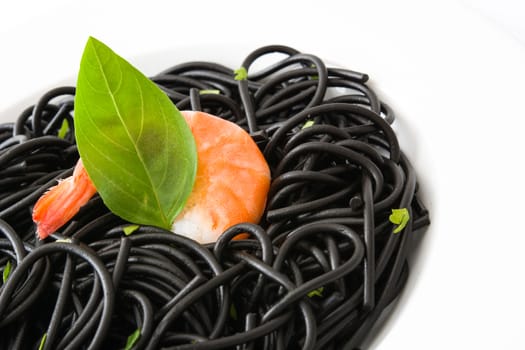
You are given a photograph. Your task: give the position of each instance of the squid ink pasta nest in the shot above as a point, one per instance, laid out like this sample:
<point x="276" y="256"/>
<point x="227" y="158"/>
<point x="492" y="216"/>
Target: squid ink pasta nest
<point x="318" y="272"/>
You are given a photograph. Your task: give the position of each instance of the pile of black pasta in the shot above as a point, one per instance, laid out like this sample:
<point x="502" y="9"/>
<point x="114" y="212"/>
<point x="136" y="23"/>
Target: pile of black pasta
<point x="317" y="273"/>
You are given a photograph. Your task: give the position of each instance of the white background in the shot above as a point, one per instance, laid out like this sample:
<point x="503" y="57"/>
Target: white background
<point x="453" y="70"/>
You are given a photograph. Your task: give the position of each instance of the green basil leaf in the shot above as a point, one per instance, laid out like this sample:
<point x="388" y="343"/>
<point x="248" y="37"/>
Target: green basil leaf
<point x="135" y="145"/>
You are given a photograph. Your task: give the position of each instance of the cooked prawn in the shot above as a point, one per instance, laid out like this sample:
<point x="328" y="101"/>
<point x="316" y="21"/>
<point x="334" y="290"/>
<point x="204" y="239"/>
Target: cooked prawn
<point x="61" y="202"/>
<point x="231" y="185"/>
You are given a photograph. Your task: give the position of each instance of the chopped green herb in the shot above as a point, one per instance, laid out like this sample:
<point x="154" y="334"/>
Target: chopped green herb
<point x="308" y="124"/>
<point x="43" y="341"/>
<point x="132" y="339"/>
<point x="241" y="74"/>
<point x="64" y="128"/>
<point x="127" y="128"/>
<point x="313" y="77"/>
<point x="233" y="312"/>
<point x="316" y="292"/>
<point x="399" y="217"/>
<point x="210" y="91"/>
<point x="130" y="229"/>
<point x="7" y="271"/>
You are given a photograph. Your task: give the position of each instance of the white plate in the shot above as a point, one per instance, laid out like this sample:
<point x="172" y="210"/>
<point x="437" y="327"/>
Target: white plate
<point x="454" y="79"/>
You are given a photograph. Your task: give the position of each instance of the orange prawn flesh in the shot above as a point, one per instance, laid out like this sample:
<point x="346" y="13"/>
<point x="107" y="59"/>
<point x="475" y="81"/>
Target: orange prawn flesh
<point x="231" y="185"/>
<point x="232" y="182"/>
<point x="61" y="202"/>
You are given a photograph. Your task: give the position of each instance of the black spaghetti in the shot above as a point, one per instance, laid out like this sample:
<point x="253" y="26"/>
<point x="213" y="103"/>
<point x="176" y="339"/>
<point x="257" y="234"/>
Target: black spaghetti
<point x="318" y="271"/>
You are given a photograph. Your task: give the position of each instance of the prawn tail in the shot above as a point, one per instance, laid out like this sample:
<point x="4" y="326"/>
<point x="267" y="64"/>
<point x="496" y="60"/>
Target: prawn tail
<point x="61" y="202"/>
